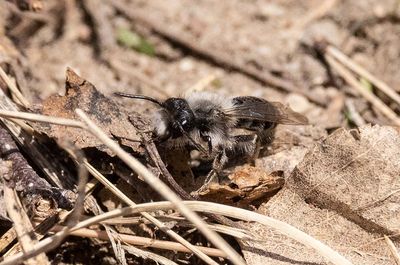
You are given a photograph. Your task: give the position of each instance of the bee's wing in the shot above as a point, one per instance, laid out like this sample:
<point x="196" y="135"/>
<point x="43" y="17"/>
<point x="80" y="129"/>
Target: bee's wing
<point x="254" y="108"/>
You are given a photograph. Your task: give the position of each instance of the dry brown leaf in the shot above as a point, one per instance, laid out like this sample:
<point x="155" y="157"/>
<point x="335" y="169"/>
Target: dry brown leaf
<point x="284" y="161"/>
<point x="355" y="173"/>
<point x="102" y="110"/>
<point x="345" y="193"/>
<point x="248" y="185"/>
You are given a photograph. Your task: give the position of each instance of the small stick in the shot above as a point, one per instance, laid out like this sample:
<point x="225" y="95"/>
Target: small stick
<point x="22" y="225"/>
<point x="148" y="255"/>
<point x="11" y="85"/>
<point x="348" y="62"/>
<point x="370" y="97"/>
<point x="142" y="241"/>
<point x="41" y="118"/>
<point x="393" y="250"/>
<point x="7" y="238"/>
<point x="241" y="214"/>
<point x="73" y="217"/>
<point x="355" y="116"/>
<point x="224" y="229"/>
<point x="155" y="157"/>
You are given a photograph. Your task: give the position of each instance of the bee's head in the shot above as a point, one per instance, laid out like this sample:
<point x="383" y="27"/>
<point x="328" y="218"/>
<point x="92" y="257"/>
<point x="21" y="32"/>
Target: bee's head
<point x="180" y="112"/>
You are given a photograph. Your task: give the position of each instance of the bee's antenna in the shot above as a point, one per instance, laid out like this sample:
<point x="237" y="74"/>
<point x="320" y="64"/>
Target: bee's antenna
<point x="127" y="95"/>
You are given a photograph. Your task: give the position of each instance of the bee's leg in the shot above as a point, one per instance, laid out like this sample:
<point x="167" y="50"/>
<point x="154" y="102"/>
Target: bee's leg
<point x="207" y="139"/>
<point x="250" y="145"/>
<point x="256" y="144"/>
<point x="218" y="164"/>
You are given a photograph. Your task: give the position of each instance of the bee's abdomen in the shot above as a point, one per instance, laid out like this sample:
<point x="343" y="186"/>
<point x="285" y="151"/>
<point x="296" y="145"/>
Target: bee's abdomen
<point x="255" y="125"/>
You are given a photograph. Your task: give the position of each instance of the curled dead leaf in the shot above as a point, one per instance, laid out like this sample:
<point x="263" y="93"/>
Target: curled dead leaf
<point x="107" y="114"/>
<point x="248" y="185"/>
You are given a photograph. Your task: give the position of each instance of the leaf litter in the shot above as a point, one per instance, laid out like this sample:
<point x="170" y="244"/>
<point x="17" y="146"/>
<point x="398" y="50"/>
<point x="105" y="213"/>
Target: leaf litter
<point x="104" y="111"/>
<point x="338" y="185"/>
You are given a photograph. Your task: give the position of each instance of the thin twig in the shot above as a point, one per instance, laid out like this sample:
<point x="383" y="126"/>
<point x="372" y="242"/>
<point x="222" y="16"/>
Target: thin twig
<point x="7" y="238"/>
<point x="106" y="43"/>
<point x="369" y="96"/>
<point x="354" y="115"/>
<point x="149" y="255"/>
<point x="249" y="216"/>
<point x="112" y="236"/>
<point x="348" y="62"/>
<point x="103" y="28"/>
<point x="74" y="216"/>
<point x="393" y="250"/>
<point x="41" y="228"/>
<point x="11" y="85"/>
<point x="162" y="189"/>
<point x="155" y="157"/>
<point x="224" y="229"/>
<point x="41" y="118"/>
<point x="142" y="241"/>
<point x="238" y="233"/>
<point x="22" y="225"/>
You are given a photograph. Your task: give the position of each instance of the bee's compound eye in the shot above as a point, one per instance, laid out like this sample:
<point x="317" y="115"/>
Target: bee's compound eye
<point x="185" y="119"/>
<point x="185" y="123"/>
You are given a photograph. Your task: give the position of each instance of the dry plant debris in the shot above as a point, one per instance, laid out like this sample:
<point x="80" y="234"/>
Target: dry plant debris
<point x="247" y="186"/>
<point x="336" y="179"/>
<point x="37" y="194"/>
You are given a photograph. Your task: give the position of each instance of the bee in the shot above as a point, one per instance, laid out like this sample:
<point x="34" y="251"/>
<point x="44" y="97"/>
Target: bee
<point x="217" y="126"/>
